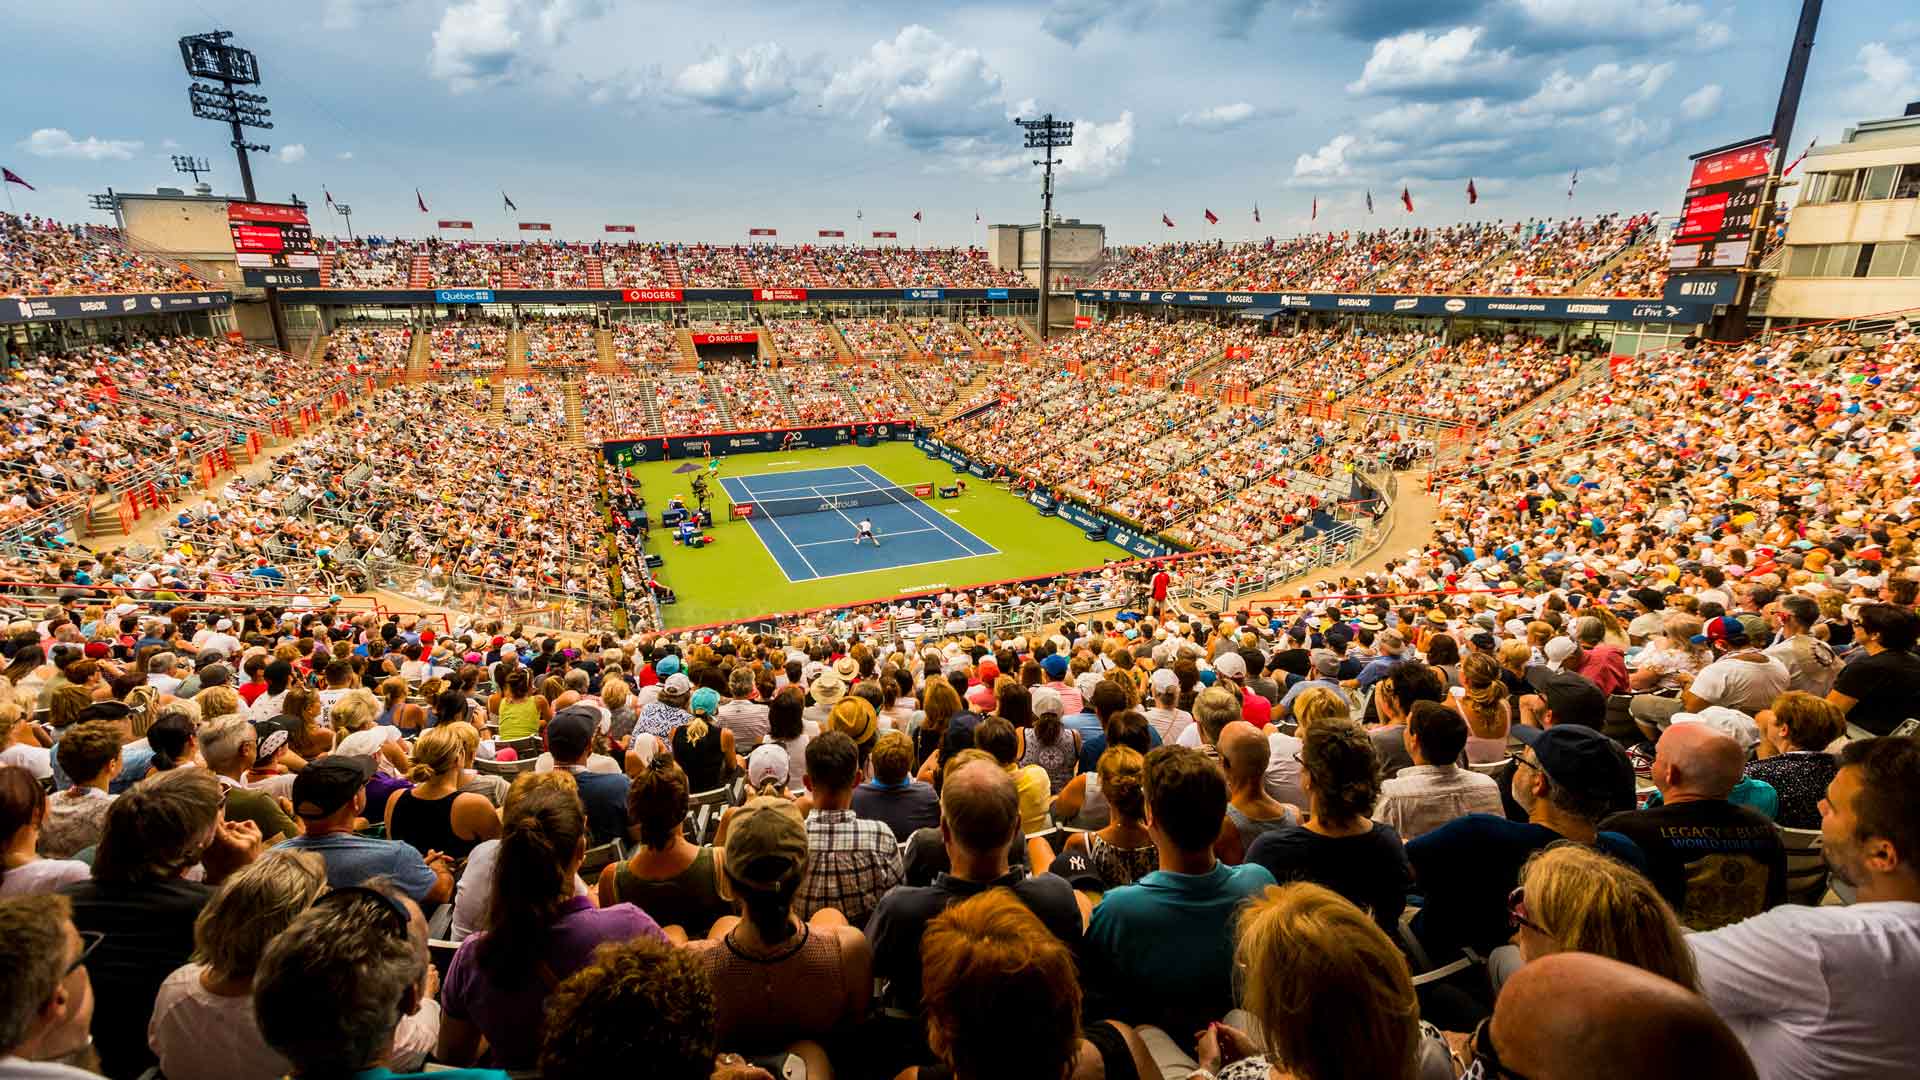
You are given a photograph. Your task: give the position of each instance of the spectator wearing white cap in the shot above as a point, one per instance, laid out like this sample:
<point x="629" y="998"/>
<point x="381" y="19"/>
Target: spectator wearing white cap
<point x="1165" y="716"/>
<point x="219" y="639"/>
<point x="1232" y="670"/>
<point x="1326" y="673"/>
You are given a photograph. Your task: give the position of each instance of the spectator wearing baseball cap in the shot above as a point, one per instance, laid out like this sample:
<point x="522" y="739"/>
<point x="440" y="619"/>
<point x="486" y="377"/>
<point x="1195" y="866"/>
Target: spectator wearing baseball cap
<point x="1567" y="779"/>
<point x="1325" y="665"/>
<point x="1057" y="668"/>
<point x="1562" y="697"/>
<point x="570" y="740"/>
<point x="701" y="746"/>
<point x="1254" y="709"/>
<point x="1741" y="677"/>
<point x="777" y="979"/>
<point x="328" y="797"/>
<point x="1166" y="717"/>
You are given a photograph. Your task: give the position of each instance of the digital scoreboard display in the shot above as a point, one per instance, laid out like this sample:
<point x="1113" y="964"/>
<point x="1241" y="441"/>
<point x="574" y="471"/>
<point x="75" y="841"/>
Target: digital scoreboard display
<point x="271" y="236"/>
<point x="1721" y="213"/>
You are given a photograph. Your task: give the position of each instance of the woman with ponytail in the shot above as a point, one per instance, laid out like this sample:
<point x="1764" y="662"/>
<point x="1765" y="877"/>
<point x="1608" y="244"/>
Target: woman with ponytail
<point x="1482" y="700"/>
<point x="540" y="928"/>
<point x="435" y="815"/>
<point x="171" y="736"/>
<point x="669" y="877"/>
<point x="704" y="749"/>
<point x="1123" y="852"/>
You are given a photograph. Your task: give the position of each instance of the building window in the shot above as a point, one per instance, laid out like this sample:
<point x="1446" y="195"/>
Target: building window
<point x="1840" y="187"/>
<point x="1878" y="183"/>
<point x="1892" y="259"/>
<point x="1886" y="260"/>
<point x="1908" y="186"/>
<point x="1801" y="258"/>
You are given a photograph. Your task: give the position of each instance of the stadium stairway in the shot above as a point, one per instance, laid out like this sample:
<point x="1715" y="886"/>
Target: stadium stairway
<point x="326" y="269"/>
<point x="966" y="394"/>
<point x="967" y="335"/>
<point x="511" y="278"/>
<point x="650" y="406"/>
<point x="786" y="401"/>
<point x="842" y="350"/>
<point x="675" y="279"/>
<point x="689" y="356"/>
<point x="596" y="272"/>
<point x="815" y="279"/>
<point x="419" y="357"/>
<point x="516" y="351"/>
<point x="741" y="271"/>
<point x="719" y="394"/>
<point x="603" y="349"/>
<point x="420" y="273"/>
<point x="769" y="349"/>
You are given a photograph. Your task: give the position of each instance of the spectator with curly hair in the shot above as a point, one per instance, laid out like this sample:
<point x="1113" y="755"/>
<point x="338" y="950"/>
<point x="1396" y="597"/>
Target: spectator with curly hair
<point x="637" y="1002"/>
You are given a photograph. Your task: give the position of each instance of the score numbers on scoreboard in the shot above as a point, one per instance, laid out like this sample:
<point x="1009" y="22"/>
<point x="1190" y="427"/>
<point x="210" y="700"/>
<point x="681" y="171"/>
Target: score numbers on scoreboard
<point x="1723" y="209"/>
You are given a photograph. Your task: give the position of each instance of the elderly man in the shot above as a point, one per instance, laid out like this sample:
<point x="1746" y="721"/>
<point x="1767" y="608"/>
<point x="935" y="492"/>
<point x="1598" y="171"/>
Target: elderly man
<point x="1828" y="991"/>
<point x="228" y="745"/>
<point x="1251" y="811"/>
<point x="1715" y="862"/>
<point x="1560" y="1015"/>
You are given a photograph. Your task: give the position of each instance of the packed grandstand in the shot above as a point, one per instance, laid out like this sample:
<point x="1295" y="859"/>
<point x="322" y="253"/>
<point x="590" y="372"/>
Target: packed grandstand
<point x="1437" y="602"/>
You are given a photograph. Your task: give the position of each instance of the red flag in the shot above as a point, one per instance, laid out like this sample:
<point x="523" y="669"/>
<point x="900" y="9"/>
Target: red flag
<point x="916" y="215"/>
<point x="328" y="194"/>
<point x="1167" y="221"/>
<point x="1472" y="195"/>
<point x="10" y="177"/>
<point x="1256" y="213"/>
<point x="1406" y="199"/>
<point x="421" y="201"/>
<point x="1788" y="171"/>
<point x="1315" y="216"/>
<point x="1211" y="219"/>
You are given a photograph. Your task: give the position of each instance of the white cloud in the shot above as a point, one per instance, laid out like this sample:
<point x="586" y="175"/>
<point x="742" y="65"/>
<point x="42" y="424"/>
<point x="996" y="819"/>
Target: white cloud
<point x="169" y="144"/>
<point x="1578" y="23"/>
<point x="1327" y="163"/>
<point x="292" y="154"/>
<point x="1420" y="63"/>
<point x="57" y="143"/>
<point x="752" y="79"/>
<point x="1218" y="117"/>
<point x="1702" y="103"/>
<point x="1891" y="79"/>
<point x="1607" y="84"/>
<point x="927" y="91"/>
<point x="344" y="155"/>
<point x="1099" y="151"/>
<point x="492" y="42"/>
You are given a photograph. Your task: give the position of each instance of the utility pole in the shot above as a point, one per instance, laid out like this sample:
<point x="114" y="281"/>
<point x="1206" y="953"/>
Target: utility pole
<point x="1047" y="135"/>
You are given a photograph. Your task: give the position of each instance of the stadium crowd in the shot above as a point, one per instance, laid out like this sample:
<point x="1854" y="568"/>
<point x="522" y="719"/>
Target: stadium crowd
<point x="43" y="257"/>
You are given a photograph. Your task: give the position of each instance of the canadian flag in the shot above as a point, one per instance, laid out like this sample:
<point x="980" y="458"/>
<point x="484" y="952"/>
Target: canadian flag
<point x="1211" y="218"/>
<point x="1472" y="195"/>
<point x="418" y="199"/>
<point x="1406" y="199"/>
<point x="1167" y="221"/>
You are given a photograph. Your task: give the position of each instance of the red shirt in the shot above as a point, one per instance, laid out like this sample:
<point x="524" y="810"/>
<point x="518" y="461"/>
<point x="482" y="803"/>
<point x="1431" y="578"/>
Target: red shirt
<point x="1161" y="580"/>
<point x="252" y="690"/>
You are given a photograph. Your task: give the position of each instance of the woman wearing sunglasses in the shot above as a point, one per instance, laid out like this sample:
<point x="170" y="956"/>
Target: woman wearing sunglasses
<point x="1574" y="899"/>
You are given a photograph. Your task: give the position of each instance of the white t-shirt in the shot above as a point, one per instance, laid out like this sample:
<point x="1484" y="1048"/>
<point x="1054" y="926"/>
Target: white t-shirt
<point x="43" y="876"/>
<point x="596" y="763"/>
<point x="1819" y="991"/>
<point x="1744" y="684"/>
<point x="37" y="760"/>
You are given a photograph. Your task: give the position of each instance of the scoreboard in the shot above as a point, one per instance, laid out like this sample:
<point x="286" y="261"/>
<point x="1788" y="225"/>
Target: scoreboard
<point x="273" y="243"/>
<point x="1721" y="213"/>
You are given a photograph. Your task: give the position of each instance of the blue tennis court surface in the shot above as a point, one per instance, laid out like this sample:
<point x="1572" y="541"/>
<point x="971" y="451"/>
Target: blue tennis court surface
<point x="820" y="545"/>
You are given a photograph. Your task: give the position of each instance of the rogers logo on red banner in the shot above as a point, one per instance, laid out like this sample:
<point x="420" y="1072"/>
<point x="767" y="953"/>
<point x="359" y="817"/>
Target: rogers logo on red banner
<point x="650" y="296"/>
<point x="746" y="338"/>
<point x="779" y="294"/>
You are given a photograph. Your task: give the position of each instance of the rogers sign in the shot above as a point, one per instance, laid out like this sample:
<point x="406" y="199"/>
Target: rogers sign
<point x="650" y="296"/>
<point x="738" y="338"/>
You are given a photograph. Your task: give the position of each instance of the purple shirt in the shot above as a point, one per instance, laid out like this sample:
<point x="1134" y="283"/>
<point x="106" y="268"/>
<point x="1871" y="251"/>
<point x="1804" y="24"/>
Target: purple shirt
<point x="509" y="1008"/>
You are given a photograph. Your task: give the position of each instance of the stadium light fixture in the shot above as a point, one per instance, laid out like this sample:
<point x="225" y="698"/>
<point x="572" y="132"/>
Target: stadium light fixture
<point x="189" y="165"/>
<point x="1046" y="134"/>
<point x="345" y="211"/>
<point x="210" y="57"/>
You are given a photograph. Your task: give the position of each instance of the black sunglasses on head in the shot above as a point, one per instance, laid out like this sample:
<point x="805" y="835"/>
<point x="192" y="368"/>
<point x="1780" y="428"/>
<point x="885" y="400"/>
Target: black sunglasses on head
<point x="1486" y="1064"/>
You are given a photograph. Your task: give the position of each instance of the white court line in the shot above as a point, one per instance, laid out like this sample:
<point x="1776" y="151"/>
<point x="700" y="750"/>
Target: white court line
<point x="764" y="546"/>
<point x="914" y="509"/>
<point x="890" y="535"/>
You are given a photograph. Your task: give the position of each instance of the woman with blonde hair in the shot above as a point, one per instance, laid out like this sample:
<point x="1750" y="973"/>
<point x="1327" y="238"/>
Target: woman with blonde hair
<point x="1481" y="700"/>
<point x="1123" y="852"/>
<point x="1573" y="899"/>
<point x="1325" y="994"/>
<point x="395" y="711"/>
<point x="1794" y="735"/>
<point x="358" y="734"/>
<point x="217" y="701"/>
<point x="1661" y="665"/>
<point x="1317" y="703"/>
<point x="702" y="747"/>
<point x="203" y="1026"/>
<point x="435" y="815"/>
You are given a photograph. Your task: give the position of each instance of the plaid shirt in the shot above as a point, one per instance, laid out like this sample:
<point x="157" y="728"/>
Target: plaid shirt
<point x="853" y="861"/>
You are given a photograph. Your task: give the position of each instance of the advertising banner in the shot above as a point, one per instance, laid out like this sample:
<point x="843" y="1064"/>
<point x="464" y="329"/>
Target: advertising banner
<point x="833" y="233"/>
<point x="463" y="296"/>
<point x="1542" y="307"/>
<point x="996" y="294"/>
<point x="924" y="294"/>
<point x="651" y="296"/>
<point x="779" y="294"/>
<point x="886" y="234"/>
<point x="763" y="232"/>
<point x="57" y="308"/>
<point x="743" y="338"/>
<point x="453" y="224"/>
<point x="1082" y="322"/>
<point x="658" y="448"/>
<point x="619" y="228"/>
<point x="271" y="236"/>
<point x="280" y="279"/>
<point x="536" y="226"/>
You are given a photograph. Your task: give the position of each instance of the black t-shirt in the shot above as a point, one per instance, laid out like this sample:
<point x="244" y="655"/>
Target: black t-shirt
<point x="1369" y="869"/>
<point x="904" y="912"/>
<point x="1715" y="862"/>
<point x="926" y="857"/>
<point x="906" y="808"/>
<point x="149" y="932"/>
<point x="1885" y="689"/>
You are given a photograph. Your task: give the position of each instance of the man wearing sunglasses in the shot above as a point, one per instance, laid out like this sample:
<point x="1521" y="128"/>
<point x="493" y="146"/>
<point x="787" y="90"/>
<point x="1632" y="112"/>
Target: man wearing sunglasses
<point x="46" y="997"/>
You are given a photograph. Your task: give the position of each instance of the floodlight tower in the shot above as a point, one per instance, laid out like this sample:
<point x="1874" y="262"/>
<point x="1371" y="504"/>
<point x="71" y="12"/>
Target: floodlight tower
<point x="208" y="56"/>
<point x="1046" y="135"/>
<point x="345" y="211"/>
<point x="188" y="165"/>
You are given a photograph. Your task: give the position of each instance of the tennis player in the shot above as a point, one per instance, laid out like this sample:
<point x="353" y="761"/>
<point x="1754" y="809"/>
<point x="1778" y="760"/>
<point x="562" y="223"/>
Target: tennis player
<point x="864" y="531"/>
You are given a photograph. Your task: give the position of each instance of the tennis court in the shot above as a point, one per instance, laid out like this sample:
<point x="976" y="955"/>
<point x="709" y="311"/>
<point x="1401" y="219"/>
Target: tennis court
<point x="808" y="546"/>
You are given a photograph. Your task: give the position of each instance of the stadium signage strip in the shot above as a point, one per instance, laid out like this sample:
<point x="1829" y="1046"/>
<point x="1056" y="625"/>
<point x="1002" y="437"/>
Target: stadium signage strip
<point x="57" y="308"/>
<point x="1119" y="533"/>
<point x="742" y="338"/>
<point x="627" y="296"/>
<point x="1516" y="307"/>
<point x="621" y="453"/>
<point x="463" y="296"/>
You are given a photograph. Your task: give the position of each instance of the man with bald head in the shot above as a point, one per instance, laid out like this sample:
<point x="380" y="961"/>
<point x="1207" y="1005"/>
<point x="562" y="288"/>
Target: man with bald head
<point x="1715" y="862"/>
<point x="1251" y="811"/>
<point x="1573" y="1015"/>
<point x="979" y="822"/>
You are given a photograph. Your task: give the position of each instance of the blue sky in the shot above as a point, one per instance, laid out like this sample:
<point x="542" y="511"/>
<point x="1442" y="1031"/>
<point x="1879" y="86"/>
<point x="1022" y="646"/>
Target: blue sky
<point x="699" y="121"/>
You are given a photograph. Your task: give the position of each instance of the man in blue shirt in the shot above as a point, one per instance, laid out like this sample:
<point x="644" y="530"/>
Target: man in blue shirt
<point x="329" y="795"/>
<point x="1159" y="952"/>
<point x="1569" y="777"/>
<point x="1107" y="701"/>
<point x="570" y="740"/>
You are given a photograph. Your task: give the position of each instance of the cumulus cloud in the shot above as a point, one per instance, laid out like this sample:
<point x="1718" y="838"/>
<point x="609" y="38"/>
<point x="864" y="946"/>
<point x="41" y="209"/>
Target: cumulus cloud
<point x="291" y="154"/>
<point x="58" y="143"/>
<point x="758" y="77"/>
<point x="481" y="43"/>
<point x="345" y="155"/>
<point x="1099" y="152"/>
<point x="1889" y="78"/>
<point x="927" y="91"/>
<point x="1327" y="163"/>
<point x="1702" y="103"/>
<point x="1218" y="117"/>
<point x="1452" y="64"/>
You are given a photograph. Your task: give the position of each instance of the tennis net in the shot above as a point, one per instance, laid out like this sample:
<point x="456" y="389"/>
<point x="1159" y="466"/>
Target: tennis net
<point x="788" y="506"/>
